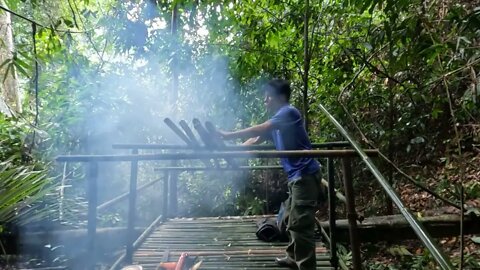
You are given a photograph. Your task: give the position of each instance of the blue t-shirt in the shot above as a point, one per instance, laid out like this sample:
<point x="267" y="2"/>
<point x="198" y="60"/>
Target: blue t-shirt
<point x="289" y="134"/>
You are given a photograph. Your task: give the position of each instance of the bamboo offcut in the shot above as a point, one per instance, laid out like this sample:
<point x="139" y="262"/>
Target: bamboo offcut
<point x="178" y="131"/>
<point x="189" y="133"/>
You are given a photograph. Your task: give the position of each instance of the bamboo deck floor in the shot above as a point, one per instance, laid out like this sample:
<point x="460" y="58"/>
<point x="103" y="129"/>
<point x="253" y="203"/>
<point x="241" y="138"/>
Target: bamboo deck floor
<point x="221" y="243"/>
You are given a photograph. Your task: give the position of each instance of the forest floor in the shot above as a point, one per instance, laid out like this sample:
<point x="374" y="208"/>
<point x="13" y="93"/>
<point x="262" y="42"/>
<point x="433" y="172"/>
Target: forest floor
<point x="445" y="178"/>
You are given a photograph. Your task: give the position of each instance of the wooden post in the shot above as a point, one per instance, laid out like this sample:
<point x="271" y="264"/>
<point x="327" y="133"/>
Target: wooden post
<point x="173" y="192"/>
<point x="267" y="200"/>
<point x="165" y="196"/>
<point x="332" y="213"/>
<point x="131" y="209"/>
<point x="351" y="213"/>
<point x="92" y="175"/>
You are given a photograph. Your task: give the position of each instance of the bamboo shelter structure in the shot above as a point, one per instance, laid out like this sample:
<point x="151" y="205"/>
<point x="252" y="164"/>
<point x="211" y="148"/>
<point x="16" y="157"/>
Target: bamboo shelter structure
<point x="229" y="242"/>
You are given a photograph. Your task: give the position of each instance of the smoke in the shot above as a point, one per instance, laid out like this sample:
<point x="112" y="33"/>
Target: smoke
<point x="98" y="97"/>
<point x="134" y="92"/>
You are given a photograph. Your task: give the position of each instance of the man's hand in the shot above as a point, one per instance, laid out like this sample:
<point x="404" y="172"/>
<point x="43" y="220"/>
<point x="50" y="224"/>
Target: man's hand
<point x="255" y="140"/>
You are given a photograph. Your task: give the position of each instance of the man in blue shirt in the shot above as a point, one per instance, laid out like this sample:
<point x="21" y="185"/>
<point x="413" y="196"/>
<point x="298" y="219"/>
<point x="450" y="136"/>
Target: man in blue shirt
<point x="287" y="131"/>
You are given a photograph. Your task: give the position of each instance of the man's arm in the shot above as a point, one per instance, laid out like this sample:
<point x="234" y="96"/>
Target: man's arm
<point x="250" y="133"/>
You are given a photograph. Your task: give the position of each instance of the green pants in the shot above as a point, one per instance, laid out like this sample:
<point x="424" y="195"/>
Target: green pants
<point x="304" y="195"/>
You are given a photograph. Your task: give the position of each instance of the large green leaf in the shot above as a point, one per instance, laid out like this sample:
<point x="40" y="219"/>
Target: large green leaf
<point x="22" y="188"/>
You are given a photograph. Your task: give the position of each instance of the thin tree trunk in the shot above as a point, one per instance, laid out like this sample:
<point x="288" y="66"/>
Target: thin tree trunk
<point x="10" y="101"/>
<point x="173" y="176"/>
<point x="174" y="66"/>
<point x="391" y="123"/>
<point x="306" y="63"/>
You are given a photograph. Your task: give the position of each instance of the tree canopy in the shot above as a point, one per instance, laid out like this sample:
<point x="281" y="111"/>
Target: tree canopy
<point x="80" y="75"/>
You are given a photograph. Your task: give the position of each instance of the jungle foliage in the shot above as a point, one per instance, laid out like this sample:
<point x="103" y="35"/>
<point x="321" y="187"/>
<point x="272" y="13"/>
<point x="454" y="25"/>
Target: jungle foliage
<point x="402" y="75"/>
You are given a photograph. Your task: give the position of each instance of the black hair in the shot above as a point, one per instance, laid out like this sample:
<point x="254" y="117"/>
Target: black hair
<point x="278" y="87"/>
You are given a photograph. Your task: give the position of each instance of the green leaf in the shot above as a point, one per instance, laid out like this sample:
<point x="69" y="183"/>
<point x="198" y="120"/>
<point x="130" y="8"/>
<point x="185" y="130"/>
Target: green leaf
<point x="12" y="71"/>
<point x="417" y="140"/>
<point x="20" y="188"/>
<point x="5" y="63"/>
<point x="473" y="210"/>
<point x="9" y="67"/>
<point x="20" y="69"/>
<point x="399" y="251"/>
<point x="475" y="239"/>
<point x="68" y="23"/>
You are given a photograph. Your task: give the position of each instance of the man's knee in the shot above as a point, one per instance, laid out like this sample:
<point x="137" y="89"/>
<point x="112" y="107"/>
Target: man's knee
<point x="302" y="217"/>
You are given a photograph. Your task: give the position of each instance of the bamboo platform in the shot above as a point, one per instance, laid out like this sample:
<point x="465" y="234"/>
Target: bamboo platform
<point x="221" y="243"/>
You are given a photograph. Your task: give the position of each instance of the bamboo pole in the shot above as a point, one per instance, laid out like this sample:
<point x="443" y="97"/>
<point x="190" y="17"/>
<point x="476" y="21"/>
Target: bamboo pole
<point x="228" y="147"/>
<point x="202" y="155"/>
<point x="228" y="253"/>
<point x="189" y="133"/>
<point x="178" y="132"/>
<point x="351" y="214"/>
<point x="123" y="196"/>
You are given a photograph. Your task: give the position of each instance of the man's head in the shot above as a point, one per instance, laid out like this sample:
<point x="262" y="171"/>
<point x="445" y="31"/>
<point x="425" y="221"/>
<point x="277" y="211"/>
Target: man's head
<point x="277" y="94"/>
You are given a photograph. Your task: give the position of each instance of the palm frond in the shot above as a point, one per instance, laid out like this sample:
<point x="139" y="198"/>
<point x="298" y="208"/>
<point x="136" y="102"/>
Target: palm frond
<point x="22" y="189"/>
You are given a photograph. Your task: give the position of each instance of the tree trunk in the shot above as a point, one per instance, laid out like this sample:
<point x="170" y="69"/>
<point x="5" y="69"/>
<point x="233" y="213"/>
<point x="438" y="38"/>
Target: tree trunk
<point x="173" y="176"/>
<point x="306" y="63"/>
<point x="175" y="45"/>
<point x="10" y="102"/>
<point x="391" y="125"/>
<point x="396" y="228"/>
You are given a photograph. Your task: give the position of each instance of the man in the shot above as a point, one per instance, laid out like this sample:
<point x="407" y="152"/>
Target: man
<point x="287" y="130"/>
